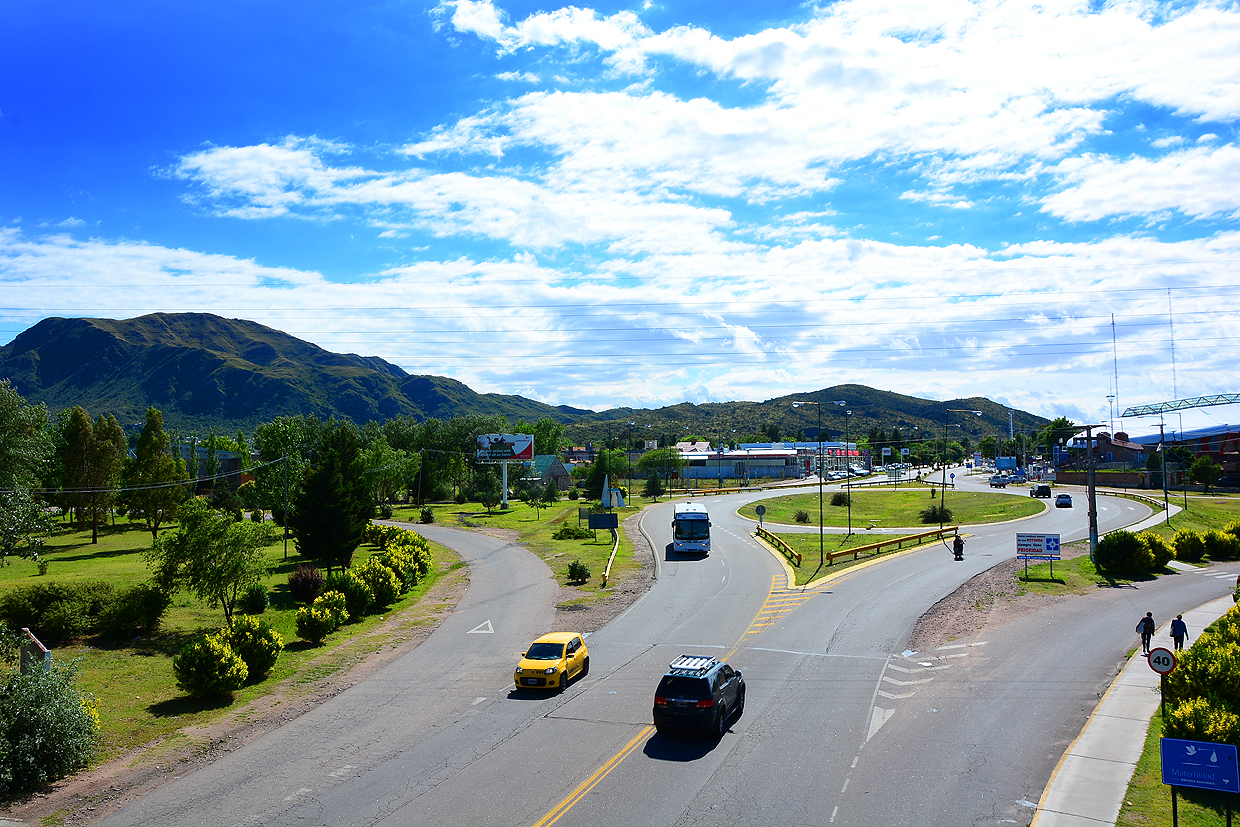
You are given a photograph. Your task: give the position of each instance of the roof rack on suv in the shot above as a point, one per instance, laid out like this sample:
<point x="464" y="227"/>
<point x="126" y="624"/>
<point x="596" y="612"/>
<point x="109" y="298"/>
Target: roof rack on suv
<point x="692" y="665"/>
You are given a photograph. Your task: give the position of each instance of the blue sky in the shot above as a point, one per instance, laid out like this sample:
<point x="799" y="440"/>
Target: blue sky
<point x="616" y="204"/>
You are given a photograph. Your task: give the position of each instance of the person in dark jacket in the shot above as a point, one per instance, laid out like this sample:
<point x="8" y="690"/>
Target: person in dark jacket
<point x="1146" y="627"/>
<point x="1179" y="631"/>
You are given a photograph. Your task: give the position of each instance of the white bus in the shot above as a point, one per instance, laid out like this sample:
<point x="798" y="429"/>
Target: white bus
<point x="690" y="528"/>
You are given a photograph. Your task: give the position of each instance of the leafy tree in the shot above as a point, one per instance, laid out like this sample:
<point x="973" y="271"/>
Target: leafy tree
<point x="1207" y="472"/>
<point x="663" y="463"/>
<point x="551" y="494"/>
<point x="25" y="445"/>
<point x="296" y="437"/>
<point x="334" y="504"/>
<point x="386" y="469"/>
<point x="548" y="435"/>
<point x="613" y="464"/>
<point x="1059" y="430"/>
<point x="24" y="525"/>
<point x="212" y="555"/>
<point x="154" y="478"/>
<point x="92" y="458"/>
<point x="653" y="487"/>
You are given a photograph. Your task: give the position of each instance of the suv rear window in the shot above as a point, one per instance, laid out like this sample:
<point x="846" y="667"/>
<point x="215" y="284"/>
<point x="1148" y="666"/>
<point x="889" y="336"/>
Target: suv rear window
<point x="676" y="686"/>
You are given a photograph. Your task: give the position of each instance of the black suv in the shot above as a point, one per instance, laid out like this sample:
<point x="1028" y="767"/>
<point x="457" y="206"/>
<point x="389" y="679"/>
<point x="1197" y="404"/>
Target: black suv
<point x="698" y="692"/>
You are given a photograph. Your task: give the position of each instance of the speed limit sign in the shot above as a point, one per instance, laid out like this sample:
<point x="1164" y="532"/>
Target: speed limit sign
<point x="1162" y="660"/>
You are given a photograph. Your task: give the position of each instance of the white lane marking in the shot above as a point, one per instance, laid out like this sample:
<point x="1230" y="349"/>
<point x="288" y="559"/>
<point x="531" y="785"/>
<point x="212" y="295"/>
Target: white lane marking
<point x="482" y="629"/>
<point x="895" y="697"/>
<point x="906" y="683"/>
<point x="960" y="646"/>
<point x="880" y="717"/>
<point x="298" y="793"/>
<point x="342" y="771"/>
<point x="477" y="701"/>
<point x="926" y="668"/>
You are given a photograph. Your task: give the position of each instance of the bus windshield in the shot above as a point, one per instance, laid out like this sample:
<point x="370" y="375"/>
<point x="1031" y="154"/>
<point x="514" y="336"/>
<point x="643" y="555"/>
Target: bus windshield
<point x="695" y="529"/>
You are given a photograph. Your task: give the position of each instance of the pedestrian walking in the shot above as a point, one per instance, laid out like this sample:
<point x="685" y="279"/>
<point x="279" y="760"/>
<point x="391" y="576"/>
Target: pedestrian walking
<point x="1145" y="626"/>
<point x="1179" y="631"/>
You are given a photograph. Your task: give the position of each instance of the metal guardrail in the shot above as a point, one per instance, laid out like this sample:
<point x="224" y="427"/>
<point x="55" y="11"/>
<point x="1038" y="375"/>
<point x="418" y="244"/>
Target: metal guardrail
<point x="898" y="542"/>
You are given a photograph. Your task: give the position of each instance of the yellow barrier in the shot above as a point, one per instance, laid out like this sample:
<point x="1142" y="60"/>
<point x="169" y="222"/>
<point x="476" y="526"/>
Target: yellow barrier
<point x="783" y="547"/>
<point x="607" y="571"/>
<point x="878" y="547"/>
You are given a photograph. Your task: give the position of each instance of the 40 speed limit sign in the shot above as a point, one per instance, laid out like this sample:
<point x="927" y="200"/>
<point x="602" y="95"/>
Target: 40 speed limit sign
<point x="1162" y="660"/>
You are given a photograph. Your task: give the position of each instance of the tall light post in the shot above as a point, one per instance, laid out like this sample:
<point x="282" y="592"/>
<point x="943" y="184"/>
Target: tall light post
<point x="822" y="554"/>
<point x="943" y="501"/>
<point x="847" y="465"/>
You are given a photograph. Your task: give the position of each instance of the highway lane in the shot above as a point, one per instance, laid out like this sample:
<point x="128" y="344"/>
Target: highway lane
<point x="441" y="738"/>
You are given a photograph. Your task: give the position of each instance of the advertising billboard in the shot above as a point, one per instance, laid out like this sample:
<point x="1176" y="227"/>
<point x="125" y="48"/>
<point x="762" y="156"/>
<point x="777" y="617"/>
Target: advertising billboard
<point x="501" y="447"/>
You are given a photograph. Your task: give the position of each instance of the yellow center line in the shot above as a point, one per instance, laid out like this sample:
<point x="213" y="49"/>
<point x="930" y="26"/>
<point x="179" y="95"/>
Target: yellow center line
<point x="754" y="628"/>
<point x="589" y="784"/>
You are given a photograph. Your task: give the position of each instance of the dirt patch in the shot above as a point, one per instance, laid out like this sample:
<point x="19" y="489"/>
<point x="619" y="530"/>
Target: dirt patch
<point x="592" y="616"/>
<point x="987" y="601"/>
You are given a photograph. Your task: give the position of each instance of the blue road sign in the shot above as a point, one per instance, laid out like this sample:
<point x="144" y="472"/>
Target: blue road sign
<point x="1200" y="764"/>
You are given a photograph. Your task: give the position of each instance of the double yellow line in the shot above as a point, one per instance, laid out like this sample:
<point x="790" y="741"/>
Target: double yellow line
<point x="589" y="784"/>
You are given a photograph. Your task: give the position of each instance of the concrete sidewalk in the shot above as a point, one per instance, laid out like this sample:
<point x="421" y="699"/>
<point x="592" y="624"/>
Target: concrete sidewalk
<point x="1088" y="785"/>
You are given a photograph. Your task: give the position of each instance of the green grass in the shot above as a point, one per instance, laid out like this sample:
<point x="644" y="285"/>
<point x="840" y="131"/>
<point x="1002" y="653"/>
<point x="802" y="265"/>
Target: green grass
<point x="896" y="508"/>
<point x="534" y="531"/>
<point x="1202" y="514"/>
<point x="1148" y="801"/>
<point x="132" y="681"/>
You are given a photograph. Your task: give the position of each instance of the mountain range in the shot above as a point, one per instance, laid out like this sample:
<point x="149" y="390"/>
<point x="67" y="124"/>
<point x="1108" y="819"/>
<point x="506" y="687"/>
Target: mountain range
<point x="206" y="372"/>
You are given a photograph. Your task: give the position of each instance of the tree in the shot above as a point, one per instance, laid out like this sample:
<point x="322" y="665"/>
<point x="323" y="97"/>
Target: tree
<point x="154" y="478"/>
<point x="613" y="465"/>
<point x="334" y="505"/>
<point x="286" y="447"/>
<point x="548" y="435"/>
<point x="386" y="469"/>
<point x="1207" y="472"/>
<point x="1061" y="430"/>
<point x="25" y="451"/>
<point x="211" y="555"/>
<point x="653" y="487"/>
<point x="663" y="463"/>
<point x="530" y="494"/>
<point x="92" y="458"/>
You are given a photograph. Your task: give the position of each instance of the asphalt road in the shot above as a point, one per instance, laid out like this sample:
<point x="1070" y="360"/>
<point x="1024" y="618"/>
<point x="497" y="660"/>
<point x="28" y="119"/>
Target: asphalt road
<point x="842" y="725"/>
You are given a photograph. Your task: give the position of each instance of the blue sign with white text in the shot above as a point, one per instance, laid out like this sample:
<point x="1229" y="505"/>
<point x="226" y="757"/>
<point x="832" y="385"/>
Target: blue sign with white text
<point x="1200" y="764"/>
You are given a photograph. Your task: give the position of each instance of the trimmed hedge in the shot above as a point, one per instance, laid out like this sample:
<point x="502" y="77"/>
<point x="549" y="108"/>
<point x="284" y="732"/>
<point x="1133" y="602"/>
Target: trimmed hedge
<point x="209" y="668"/>
<point x="1205" y="685"/>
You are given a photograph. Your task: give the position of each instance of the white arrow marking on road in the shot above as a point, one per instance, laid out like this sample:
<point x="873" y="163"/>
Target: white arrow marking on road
<point x="880" y="717"/>
<point x="906" y="683"/>
<point x="482" y="629"/>
<point x="923" y="669"/>
<point x="896" y="697"/>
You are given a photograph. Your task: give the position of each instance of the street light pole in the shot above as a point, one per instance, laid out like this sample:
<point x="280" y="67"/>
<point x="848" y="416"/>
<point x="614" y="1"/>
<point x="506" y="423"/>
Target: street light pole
<point x="847" y="464"/>
<point x="822" y="554"/>
<point x="943" y="499"/>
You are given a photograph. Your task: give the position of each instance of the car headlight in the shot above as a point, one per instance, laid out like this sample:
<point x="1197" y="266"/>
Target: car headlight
<point x="551" y="670"/>
<point x="518" y="670"/>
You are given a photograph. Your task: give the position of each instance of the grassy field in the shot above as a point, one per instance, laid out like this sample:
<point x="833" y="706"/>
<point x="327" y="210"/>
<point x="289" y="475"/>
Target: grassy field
<point x="132" y="681"/>
<point x="1202" y="514"/>
<point x="534" y="530"/>
<point x="895" y="508"/>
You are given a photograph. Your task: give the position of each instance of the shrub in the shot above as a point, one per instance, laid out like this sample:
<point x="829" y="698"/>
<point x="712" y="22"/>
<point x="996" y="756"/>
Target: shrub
<point x="255" y="600"/>
<point x="305" y="583"/>
<point x="1233" y="528"/>
<point x="404" y="565"/>
<point x="313" y="624"/>
<point x="256" y="516"/>
<point x="382" y="581"/>
<point x="1221" y="545"/>
<point x="802" y="516"/>
<point x="334" y="604"/>
<point x="840" y="498"/>
<point x="357" y="595"/>
<point x="574" y="494"/>
<point x="1122" y="553"/>
<point x="1189" y="546"/>
<point x="578" y="572"/>
<point x="256" y="643"/>
<point x="572" y="531"/>
<point x="936" y="514"/>
<point x="427" y="515"/>
<point x="1161" y="552"/>
<point x="1197" y="719"/>
<point x="209" y="668"/>
<point x="137" y="610"/>
<point x="47" y="728"/>
<point x="385" y="511"/>
<point x="55" y="611"/>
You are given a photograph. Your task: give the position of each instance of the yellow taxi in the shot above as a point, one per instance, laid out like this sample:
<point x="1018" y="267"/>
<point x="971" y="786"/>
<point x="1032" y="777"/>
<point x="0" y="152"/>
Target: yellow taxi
<point x="552" y="661"/>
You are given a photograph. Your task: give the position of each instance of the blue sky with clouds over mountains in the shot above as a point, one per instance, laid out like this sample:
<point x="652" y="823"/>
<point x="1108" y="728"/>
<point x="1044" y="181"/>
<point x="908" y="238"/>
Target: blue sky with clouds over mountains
<point x="645" y="204"/>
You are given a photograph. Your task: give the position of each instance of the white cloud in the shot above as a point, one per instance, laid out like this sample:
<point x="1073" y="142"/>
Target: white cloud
<point x="1201" y="182"/>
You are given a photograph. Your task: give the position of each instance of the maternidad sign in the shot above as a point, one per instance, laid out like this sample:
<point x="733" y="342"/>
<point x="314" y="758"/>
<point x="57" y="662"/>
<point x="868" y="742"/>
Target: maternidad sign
<point x="501" y="447"/>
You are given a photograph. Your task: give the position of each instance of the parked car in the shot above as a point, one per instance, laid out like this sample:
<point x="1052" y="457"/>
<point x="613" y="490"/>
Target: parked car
<point x="1043" y="491"/>
<point x="1063" y="501"/>
<point x="698" y="692"/>
<point x="998" y="481"/>
<point x="552" y="661"/>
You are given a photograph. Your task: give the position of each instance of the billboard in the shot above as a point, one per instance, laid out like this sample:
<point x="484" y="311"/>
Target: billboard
<point x="500" y="447"/>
